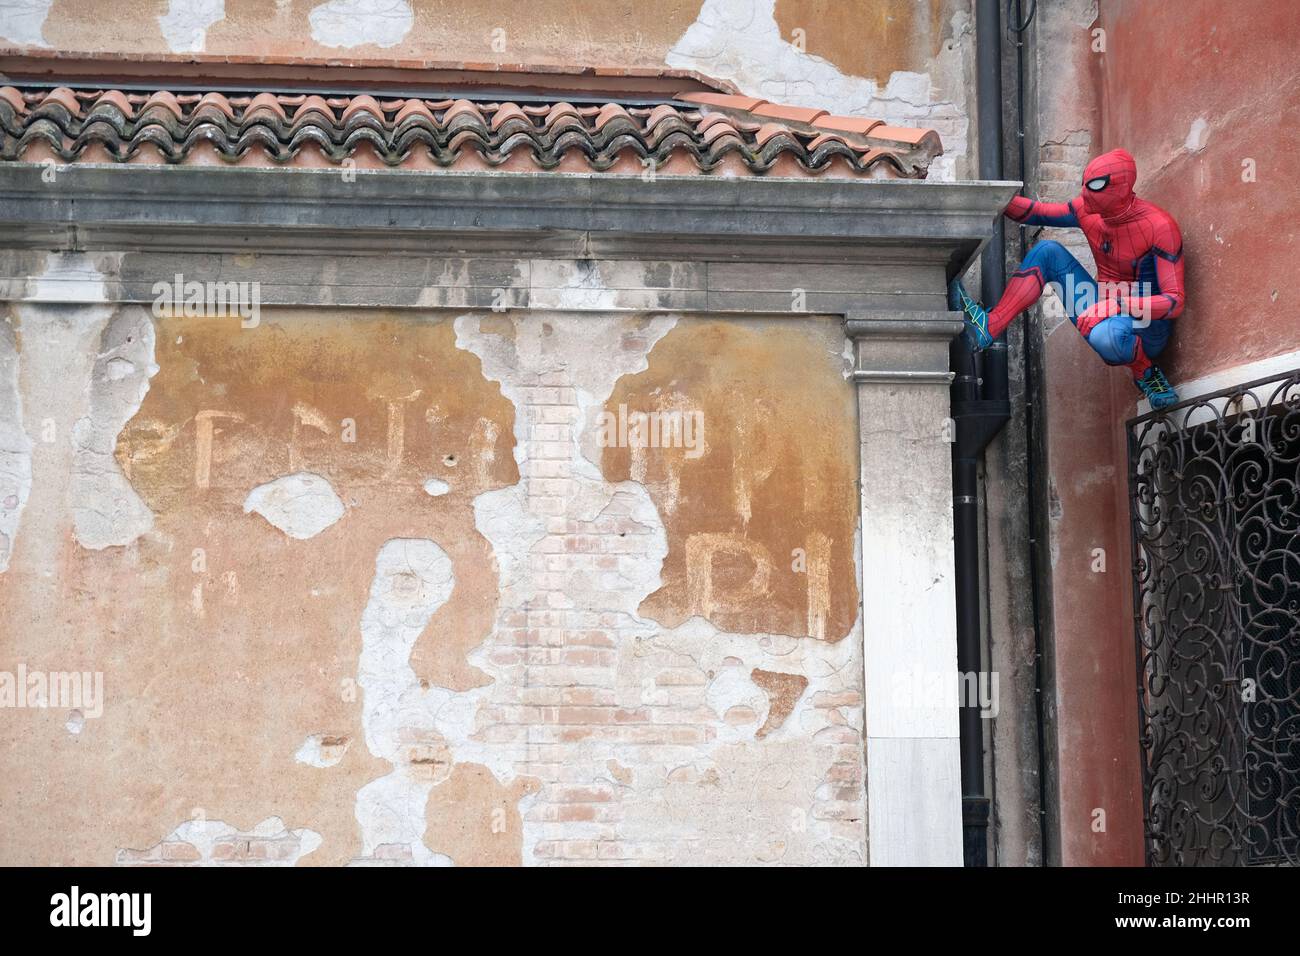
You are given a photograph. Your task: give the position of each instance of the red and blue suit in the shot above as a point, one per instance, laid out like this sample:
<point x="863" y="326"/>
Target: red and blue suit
<point x="1126" y="314"/>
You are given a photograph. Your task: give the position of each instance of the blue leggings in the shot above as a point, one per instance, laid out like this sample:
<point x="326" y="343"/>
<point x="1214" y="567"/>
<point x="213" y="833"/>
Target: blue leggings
<point x="1114" y="339"/>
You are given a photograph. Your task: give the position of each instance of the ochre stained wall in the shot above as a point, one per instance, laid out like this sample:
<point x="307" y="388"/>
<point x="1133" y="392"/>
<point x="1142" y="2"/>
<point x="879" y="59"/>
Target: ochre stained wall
<point x="367" y="586"/>
<point x="733" y="538"/>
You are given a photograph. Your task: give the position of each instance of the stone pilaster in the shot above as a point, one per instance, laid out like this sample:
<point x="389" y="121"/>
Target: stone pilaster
<point x="909" y="618"/>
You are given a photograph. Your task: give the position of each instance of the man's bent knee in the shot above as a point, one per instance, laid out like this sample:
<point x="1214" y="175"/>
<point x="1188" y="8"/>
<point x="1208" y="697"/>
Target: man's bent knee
<point x="1113" y="340"/>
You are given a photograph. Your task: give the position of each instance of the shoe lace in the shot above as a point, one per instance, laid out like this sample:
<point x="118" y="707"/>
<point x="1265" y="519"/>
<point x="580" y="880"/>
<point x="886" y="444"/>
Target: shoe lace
<point x="1156" y="382"/>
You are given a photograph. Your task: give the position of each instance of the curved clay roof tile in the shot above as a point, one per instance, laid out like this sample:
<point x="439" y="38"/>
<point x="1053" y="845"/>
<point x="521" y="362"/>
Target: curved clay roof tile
<point x="718" y="130"/>
<point x="660" y="113"/>
<point x="362" y="104"/>
<point x="217" y="101"/>
<point x="705" y="131"/>
<point x="558" y="110"/>
<point x="14" y="98"/>
<point x="768" y="131"/>
<point x="265" y="102"/>
<point x="65" y="98"/>
<point x="463" y="108"/>
<point x="508" y="111"/>
<point x="610" y="111"/>
<point x="313" y="104"/>
<point x="795" y="114"/>
<point x="723" y="100"/>
<point x="164" y="99"/>
<point x="116" y="99"/>
<point x="411" y="108"/>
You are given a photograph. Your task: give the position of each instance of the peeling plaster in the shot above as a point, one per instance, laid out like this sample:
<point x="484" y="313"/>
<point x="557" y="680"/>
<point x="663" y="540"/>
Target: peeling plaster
<point x="73" y="345"/>
<point x="322" y="750"/>
<point x="349" y="23"/>
<point x="15" y="446"/>
<point x="69" y="277"/>
<point x="301" y="505"/>
<point x="783" y="691"/>
<point x="413" y="578"/>
<point x="717" y="778"/>
<point x="740" y="41"/>
<point x="436" y="487"/>
<point x="185" y="24"/>
<point x="1198" y="136"/>
<point x="214" y="843"/>
<point x="21" y="21"/>
<point x="730" y="692"/>
<point x="106" y="509"/>
<point x="726" y="795"/>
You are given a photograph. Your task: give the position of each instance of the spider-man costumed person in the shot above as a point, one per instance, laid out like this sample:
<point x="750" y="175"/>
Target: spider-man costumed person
<point x="1128" y="318"/>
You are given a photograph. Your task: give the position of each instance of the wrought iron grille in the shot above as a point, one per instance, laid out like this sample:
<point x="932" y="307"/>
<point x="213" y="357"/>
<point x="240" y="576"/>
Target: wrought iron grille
<point x="1214" y="489"/>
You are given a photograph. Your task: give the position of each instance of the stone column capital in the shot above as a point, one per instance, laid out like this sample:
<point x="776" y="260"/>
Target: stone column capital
<point x="902" y="347"/>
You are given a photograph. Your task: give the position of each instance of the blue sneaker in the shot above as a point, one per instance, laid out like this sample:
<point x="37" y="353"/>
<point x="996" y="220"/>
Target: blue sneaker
<point x="974" y="318"/>
<point x="1156" y="388"/>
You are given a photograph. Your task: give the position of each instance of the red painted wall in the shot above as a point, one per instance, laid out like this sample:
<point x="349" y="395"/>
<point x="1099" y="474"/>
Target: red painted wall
<point x="1231" y="66"/>
<point x="1166" y="65"/>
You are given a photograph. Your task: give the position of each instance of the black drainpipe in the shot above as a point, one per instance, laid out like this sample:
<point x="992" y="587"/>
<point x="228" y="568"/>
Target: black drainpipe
<point x="980" y="409"/>
<point x="1021" y="23"/>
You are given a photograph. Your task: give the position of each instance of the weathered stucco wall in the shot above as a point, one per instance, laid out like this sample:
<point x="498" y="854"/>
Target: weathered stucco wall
<point x="365" y="586"/>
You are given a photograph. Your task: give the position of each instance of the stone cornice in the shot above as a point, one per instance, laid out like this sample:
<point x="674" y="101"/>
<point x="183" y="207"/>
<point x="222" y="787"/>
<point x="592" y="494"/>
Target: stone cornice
<point x="690" y="218"/>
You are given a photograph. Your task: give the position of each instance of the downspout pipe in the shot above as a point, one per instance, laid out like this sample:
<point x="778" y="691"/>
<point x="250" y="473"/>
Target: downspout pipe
<point x="980" y="410"/>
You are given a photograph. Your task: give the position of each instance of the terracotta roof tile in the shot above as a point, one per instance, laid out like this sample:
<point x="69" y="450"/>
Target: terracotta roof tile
<point x="65" y="98"/>
<point x="748" y="103"/>
<point x="768" y="130"/>
<point x="904" y="134"/>
<point x="825" y="138"/>
<point x="358" y="104"/>
<point x="798" y="114"/>
<point x="118" y="100"/>
<point x="721" y="128"/>
<point x="699" y="132"/>
<point x="660" y="113"/>
<point x="609" y="112"/>
<point x="509" y="111"/>
<point x="266" y="102"/>
<point x="849" y="124"/>
<point x="317" y="104"/>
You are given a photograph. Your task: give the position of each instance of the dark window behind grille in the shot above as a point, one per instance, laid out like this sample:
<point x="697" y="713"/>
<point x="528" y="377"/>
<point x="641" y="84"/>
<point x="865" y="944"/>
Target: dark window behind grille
<point x="1215" y="509"/>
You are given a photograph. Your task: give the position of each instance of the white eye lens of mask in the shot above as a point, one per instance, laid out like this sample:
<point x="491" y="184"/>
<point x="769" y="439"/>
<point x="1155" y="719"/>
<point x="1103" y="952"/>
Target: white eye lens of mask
<point x="1097" y="185"/>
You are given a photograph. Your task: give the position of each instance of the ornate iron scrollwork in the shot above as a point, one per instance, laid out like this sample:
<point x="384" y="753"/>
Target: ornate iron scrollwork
<point x="1214" y="489"/>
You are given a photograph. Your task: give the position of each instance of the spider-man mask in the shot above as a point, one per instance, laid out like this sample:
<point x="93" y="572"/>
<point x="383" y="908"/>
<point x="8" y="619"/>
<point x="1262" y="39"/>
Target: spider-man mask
<point x="1108" y="183"/>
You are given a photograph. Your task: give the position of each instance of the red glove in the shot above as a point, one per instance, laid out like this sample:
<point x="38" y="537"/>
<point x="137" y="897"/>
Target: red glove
<point x="1096" y="313"/>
